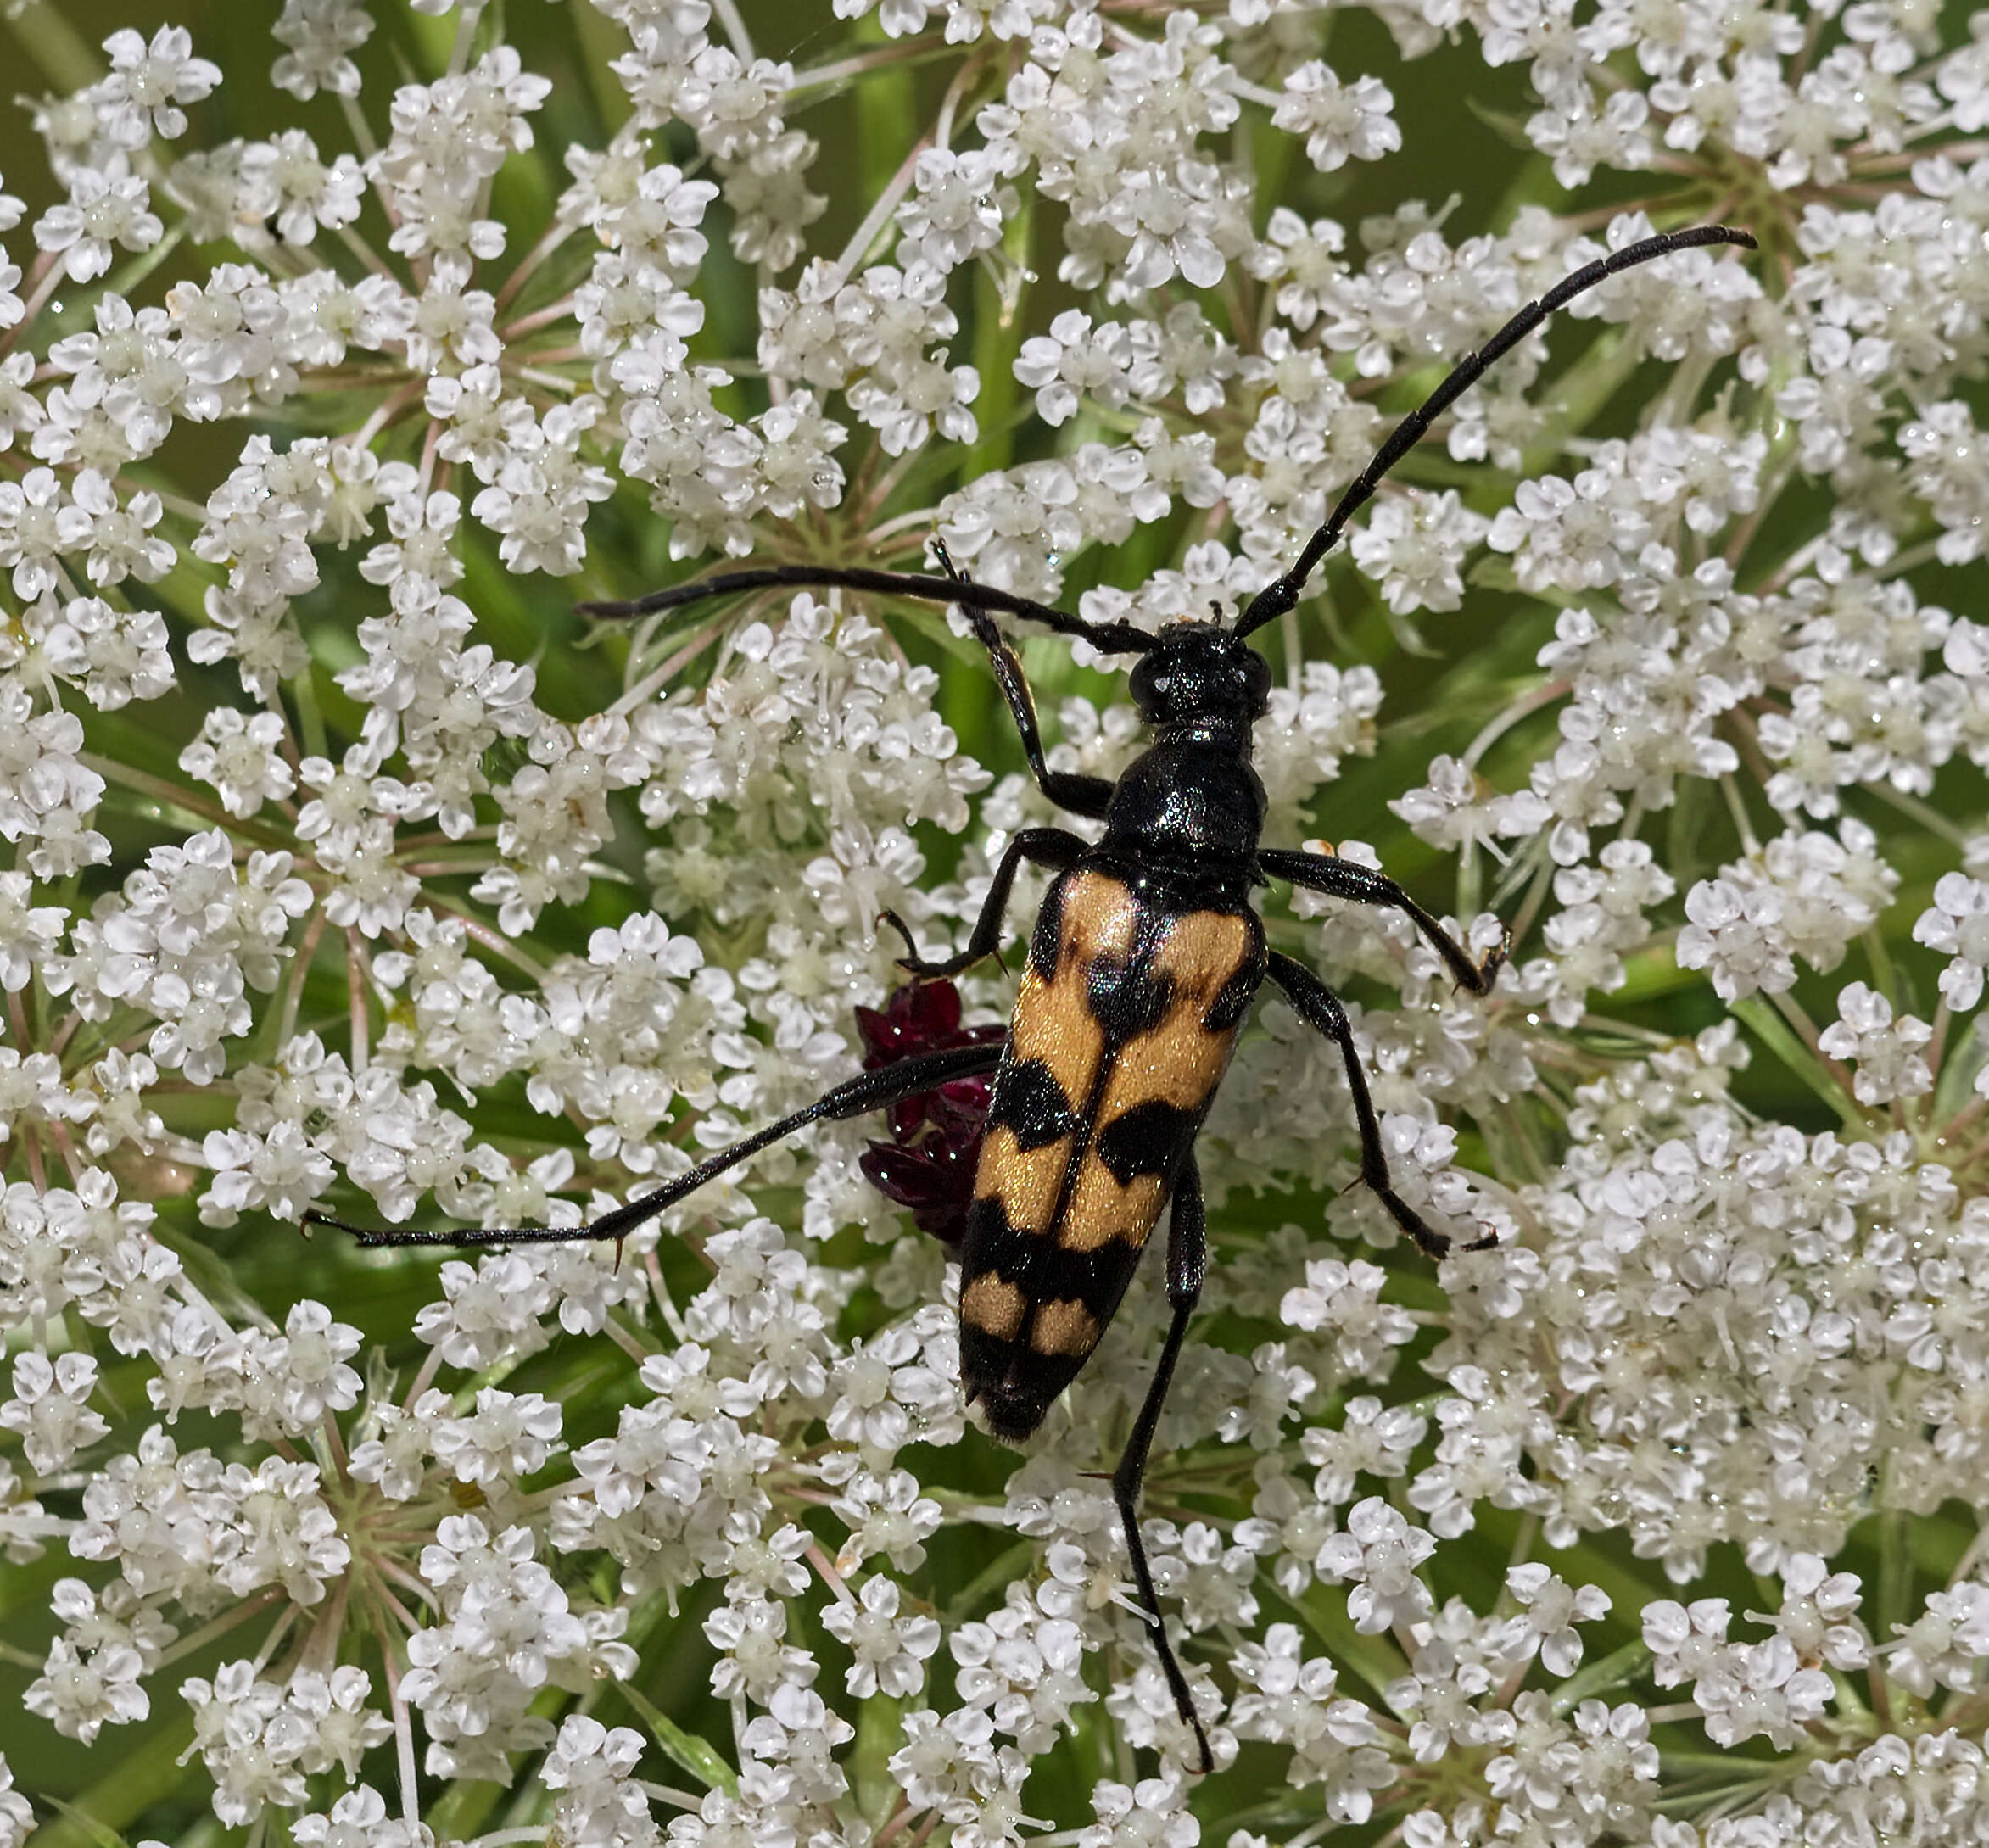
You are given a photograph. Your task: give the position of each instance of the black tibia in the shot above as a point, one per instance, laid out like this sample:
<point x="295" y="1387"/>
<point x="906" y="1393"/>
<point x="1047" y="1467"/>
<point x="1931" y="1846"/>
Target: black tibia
<point x="1089" y="796"/>
<point x="1046" y="847"/>
<point x="1188" y="1258"/>
<point x="1319" y="1007"/>
<point x="1108" y="637"/>
<point x="1342" y="879"/>
<point x="867" y="1092"/>
<point x="1082" y="794"/>
<point x="1282" y="594"/>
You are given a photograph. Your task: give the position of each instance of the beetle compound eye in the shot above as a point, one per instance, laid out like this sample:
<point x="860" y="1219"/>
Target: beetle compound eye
<point x="1151" y="686"/>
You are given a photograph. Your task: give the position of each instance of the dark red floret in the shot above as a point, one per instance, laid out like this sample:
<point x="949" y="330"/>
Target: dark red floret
<point x="928" y="1165"/>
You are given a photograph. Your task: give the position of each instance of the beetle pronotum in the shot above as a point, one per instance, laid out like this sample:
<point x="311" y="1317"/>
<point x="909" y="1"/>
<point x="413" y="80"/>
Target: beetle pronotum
<point x="1145" y="957"/>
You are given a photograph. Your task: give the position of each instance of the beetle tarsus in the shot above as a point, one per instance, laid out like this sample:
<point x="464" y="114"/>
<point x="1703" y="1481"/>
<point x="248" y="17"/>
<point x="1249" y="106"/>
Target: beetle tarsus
<point x="1187" y="1253"/>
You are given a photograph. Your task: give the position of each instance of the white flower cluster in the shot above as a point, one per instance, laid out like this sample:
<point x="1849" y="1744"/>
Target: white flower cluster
<point x="340" y="882"/>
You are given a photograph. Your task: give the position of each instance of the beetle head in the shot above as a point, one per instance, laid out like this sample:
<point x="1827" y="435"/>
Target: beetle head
<point x="1201" y="674"/>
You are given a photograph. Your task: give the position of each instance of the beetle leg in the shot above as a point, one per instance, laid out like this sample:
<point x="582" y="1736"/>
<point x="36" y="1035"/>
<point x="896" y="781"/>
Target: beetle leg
<point x="1188" y="1258"/>
<point x="1319" y="1007"/>
<point x="1088" y="795"/>
<point x="1046" y="847"/>
<point x="1344" y="878"/>
<point x="867" y="1092"/>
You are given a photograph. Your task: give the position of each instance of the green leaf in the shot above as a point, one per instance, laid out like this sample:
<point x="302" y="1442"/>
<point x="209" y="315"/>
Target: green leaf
<point x="145" y="1775"/>
<point x="93" y="1830"/>
<point x="1759" y="1017"/>
<point x="688" y="1752"/>
<point x="1611" y="1671"/>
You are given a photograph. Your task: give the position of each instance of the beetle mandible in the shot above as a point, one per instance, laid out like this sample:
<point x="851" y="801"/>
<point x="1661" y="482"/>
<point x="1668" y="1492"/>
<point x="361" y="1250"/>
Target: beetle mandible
<point x="1145" y="957"/>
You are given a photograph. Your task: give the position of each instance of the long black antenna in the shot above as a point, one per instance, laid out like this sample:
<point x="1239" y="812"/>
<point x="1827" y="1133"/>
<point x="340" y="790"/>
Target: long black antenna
<point x="1108" y="637"/>
<point x="1282" y="594"/>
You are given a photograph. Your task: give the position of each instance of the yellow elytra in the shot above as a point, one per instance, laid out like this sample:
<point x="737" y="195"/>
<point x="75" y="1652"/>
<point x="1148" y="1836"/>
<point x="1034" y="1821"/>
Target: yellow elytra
<point x="1124" y="1026"/>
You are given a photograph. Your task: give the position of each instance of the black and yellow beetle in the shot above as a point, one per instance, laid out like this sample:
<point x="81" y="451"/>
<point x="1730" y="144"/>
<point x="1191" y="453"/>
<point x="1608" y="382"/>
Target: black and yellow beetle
<point x="1146" y="956"/>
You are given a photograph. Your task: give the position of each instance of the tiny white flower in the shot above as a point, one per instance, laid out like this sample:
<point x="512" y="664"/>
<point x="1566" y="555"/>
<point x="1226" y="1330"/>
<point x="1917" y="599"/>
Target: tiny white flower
<point x="1338" y="120"/>
<point x="148" y="83"/>
<point x="103" y="210"/>
<point x="1886" y="1051"/>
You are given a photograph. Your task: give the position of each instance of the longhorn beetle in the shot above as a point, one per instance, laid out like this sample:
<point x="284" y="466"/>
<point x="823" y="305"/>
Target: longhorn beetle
<point x="1145" y="957"/>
